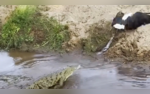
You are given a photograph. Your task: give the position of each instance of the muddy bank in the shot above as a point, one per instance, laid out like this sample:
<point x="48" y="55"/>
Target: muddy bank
<point x="80" y="21"/>
<point x="90" y="30"/>
<point x="132" y="45"/>
<point x="91" y="23"/>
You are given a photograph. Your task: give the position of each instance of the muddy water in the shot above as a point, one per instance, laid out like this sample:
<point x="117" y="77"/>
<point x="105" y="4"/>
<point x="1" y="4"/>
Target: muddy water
<point x="19" y="69"/>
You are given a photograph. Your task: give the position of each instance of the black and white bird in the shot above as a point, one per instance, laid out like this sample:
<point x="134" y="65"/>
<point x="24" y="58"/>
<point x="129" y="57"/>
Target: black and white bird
<point x="130" y="21"/>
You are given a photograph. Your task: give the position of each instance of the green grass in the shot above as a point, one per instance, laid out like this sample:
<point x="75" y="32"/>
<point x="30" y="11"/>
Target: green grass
<point x="98" y="38"/>
<point x="24" y="20"/>
<point x="56" y="33"/>
<point x="17" y="28"/>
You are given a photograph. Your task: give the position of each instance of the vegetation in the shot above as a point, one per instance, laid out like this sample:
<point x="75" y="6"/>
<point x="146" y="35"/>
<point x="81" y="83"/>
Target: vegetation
<point x="26" y="28"/>
<point x="16" y="30"/>
<point x="26" y="24"/>
<point x="98" y="37"/>
<point x="56" y="34"/>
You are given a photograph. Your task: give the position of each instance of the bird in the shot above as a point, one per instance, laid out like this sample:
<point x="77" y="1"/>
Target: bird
<point x="130" y="21"/>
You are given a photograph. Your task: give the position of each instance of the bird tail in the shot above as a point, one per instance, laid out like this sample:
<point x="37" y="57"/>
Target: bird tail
<point x="148" y="20"/>
<point x="147" y="13"/>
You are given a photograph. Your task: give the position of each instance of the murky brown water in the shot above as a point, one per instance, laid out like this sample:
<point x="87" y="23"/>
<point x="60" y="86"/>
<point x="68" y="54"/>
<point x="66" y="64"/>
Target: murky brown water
<point x="95" y="73"/>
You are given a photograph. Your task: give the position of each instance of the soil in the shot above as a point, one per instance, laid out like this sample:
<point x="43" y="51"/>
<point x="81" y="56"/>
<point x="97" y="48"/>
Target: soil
<point x="133" y="45"/>
<point x="101" y="73"/>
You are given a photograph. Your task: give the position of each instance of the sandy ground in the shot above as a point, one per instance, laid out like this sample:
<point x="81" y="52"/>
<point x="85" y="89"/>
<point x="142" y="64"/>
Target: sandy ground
<point x="5" y="12"/>
<point x="133" y="46"/>
<point x="81" y="17"/>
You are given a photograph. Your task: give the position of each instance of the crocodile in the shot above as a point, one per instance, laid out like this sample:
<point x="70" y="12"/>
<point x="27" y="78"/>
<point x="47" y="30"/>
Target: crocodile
<point x="55" y="80"/>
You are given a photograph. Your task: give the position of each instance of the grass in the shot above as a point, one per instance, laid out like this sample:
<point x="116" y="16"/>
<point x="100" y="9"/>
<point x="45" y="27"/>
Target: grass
<point x="17" y="28"/>
<point x="56" y="33"/>
<point x="98" y="37"/>
<point x="25" y="25"/>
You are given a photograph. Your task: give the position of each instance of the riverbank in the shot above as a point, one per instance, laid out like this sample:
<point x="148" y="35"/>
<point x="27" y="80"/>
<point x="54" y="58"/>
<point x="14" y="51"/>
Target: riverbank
<point x="69" y="32"/>
<point x="83" y="27"/>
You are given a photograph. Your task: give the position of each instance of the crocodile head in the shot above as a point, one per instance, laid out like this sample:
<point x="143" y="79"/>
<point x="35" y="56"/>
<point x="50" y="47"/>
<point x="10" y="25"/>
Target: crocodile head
<point x="70" y="70"/>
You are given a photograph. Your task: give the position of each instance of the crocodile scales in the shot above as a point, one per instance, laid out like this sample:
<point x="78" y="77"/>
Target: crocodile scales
<point x="54" y="80"/>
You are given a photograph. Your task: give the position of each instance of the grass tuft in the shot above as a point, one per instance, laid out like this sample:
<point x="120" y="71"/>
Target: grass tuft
<point x="26" y="25"/>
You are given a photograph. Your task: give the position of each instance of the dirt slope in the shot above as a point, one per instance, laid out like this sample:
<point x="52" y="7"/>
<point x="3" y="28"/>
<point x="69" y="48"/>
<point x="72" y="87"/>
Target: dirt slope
<point x="132" y="46"/>
<point x="80" y="19"/>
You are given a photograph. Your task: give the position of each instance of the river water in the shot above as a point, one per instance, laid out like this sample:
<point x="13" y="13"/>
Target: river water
<point x="20" y="68"/>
